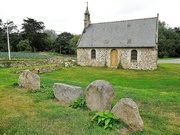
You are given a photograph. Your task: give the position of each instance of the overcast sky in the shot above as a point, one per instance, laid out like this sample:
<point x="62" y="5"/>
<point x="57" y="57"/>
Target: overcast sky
<point x="68" y="15"/>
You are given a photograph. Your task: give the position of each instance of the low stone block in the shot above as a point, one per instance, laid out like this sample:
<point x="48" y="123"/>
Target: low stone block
<point x="29" y="80"/>
<point x="66" y="93"/>
<point x="99" y="95"/>
<point x="127" y="110"/>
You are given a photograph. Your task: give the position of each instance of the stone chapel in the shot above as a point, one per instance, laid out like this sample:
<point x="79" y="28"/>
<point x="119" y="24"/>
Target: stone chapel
<point x="131" y="43"/>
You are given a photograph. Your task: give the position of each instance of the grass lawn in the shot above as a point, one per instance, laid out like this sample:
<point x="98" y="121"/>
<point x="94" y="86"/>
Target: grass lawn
<point x="157" y="94"/>
<point x="168" y="58"/>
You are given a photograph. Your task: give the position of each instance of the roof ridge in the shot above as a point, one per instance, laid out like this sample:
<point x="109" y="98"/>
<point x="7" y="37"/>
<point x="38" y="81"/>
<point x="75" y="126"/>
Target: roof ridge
<point x="125" y="20"/>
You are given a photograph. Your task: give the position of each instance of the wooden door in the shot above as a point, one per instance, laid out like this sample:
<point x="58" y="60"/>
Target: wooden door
<point x="114" y="57"/>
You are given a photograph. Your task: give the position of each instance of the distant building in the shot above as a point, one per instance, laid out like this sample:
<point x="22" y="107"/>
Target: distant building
<point x="131" y="43"/>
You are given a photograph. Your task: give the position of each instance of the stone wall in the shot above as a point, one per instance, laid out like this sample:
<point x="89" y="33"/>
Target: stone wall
<point x="25" y="63"/>
<point x="52" y="64"/>
<point x="20" y="64"/>
<point x="84" y="57"/>
<point x="146" y="58"/>
<point x="43" y="69"/>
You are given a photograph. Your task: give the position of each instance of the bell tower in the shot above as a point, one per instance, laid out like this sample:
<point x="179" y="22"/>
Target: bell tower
<point x="86" y="17"/>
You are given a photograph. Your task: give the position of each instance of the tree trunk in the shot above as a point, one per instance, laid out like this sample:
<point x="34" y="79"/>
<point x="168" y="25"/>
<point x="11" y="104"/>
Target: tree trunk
<point x="34" y="49"/>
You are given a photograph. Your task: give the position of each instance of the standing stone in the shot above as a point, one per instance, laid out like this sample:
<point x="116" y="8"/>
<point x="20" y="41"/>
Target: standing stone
<point x="29" y="80"/>
<point x="99" y="95"/>
<point x="66" y="93"/>
<point x="127" y="110"/>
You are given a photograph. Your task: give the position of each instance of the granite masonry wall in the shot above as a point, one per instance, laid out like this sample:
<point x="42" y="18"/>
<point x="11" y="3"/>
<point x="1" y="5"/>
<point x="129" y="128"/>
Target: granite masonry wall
<point x="146" y="58"/>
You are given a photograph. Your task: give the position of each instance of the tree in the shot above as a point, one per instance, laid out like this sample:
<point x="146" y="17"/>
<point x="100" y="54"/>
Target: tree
<point x="50" y="39"/>
<point x="169" y="41"/>
<point x="62" y="43"/>
<point x="33" y="31"/>
<point x="177" y="30"/>
<point x="1" y="27"/>
<point x="2" y="37"/>
<point x="51" y="33"/>
<point x="73" y="43"/>
<point x="12" y="28"/>
<point x="24" y="45"/>
<point x="15" y="38"/>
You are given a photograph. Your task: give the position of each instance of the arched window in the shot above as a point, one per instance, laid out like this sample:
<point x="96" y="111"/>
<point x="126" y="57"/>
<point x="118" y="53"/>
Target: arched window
<point x="93" y="54"/>
<point x="133" y="55"/>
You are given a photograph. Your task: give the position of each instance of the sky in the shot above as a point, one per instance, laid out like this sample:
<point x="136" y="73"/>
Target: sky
<point x="68" y="15"/>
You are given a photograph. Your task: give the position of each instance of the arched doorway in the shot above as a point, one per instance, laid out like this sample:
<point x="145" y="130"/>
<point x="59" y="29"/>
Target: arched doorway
<point x="114" y="57"/>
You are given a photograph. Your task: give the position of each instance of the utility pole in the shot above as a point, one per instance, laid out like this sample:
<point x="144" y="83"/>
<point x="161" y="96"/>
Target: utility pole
<point x="9" y="55"/>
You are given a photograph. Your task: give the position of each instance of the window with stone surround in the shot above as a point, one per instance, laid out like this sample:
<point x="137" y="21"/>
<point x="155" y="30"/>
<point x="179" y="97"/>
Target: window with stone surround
<point x="133" y="55"/>
<point x="93" y="54"/>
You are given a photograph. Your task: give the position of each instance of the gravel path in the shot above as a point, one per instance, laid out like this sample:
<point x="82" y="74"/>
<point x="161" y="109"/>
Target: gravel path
<point x="169" y="61"/>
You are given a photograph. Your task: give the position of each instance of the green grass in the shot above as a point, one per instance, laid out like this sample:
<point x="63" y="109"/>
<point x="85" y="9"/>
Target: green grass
<point x="168" y="58"/>
<point x="156" y="93"/>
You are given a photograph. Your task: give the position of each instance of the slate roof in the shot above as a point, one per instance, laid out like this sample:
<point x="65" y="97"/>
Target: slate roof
<point x="129" y="33"/>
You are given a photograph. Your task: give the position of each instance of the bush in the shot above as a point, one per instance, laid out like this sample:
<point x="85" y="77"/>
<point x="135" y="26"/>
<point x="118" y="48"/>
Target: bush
<point x="15" y="84"/>
<point x="24" y="45"/>
<point x="119" y="65"/>
<point x="79" y="103"/>
<point x="105" y="64"/>
<point x="107" y="120"/>
<point x="163" y="54"/>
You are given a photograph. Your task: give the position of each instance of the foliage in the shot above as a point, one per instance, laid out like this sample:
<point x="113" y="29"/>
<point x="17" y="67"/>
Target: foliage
<point x="2" y="37"/>
<point x="11" y="27"/>
<point x="50" y="39"/>
<point x="23" y="45"/>
<point x="62" y="45"/>
<point x="107" y="120"/>
<point x="33" y="31"/>
<point x="15" y="84"/>
<point x="51" y="33"/>
<point x="39" y="39"/>
<point x="79" y="103"/>
<point x="73" y="44"/>
<point x="1" y="25"/>
<point x="168" y="41"/>
<point x="119" y="65"/>
<point x="13" y="35"/>
<point x="105" y="64"/>
<point x="15" y="38"/>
